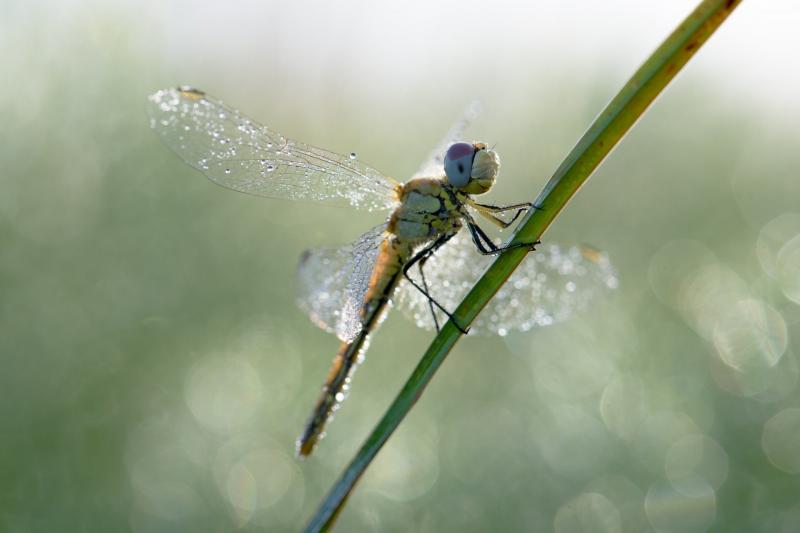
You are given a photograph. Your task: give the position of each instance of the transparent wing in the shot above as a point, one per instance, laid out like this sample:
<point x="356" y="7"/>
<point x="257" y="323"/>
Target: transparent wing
<point x="241" y="154"/>
<point x="332" y="282"/>
<point x="551" y="285"/>
<point x="433" y="166"/>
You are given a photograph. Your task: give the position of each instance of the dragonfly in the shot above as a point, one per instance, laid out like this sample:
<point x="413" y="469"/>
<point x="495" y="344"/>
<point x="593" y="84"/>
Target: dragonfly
<point x="347" y="290"/>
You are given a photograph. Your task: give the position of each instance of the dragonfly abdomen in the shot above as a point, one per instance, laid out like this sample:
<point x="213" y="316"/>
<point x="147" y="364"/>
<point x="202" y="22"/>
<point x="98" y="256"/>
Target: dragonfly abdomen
<point x="385" y="277"/>
<point x="333" y="392"/>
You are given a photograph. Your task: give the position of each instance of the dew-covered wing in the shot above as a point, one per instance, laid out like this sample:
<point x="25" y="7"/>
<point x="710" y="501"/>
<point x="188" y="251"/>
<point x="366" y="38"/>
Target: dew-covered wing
<point x="332" y="282"/>
<point x="241" y="154"/>
<point x="549" y="286"/>
<point x="433" y="166"/>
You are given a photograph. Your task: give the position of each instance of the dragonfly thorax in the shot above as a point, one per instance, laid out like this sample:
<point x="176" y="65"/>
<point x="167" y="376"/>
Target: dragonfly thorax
<point x="429" y="207"/>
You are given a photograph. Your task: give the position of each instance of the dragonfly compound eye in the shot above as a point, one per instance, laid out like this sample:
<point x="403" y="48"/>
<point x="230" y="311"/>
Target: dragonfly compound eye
<point x="458" y="163"/>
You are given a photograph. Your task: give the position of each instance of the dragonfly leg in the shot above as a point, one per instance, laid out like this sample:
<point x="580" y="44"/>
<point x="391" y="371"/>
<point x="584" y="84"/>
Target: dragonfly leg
<point x="504" y="208"/>
<point x="487" y="247"/>
<point x="499" y="221"/>
<point x="421" y="257"/>
<point x="420" y="264"/>
<point x="487" y="211"/>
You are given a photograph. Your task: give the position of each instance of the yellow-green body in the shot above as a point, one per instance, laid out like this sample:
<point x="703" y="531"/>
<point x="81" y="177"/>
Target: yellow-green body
<point x="429" y="210"/>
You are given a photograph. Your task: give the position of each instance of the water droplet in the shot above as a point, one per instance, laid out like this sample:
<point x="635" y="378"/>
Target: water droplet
<point x="227" y="171"/>
<point x="353" y="155"/>
<point x="270" y="168"/>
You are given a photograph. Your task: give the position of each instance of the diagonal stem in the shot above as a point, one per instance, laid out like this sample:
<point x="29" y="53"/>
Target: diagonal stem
<point x="601" y="137"/>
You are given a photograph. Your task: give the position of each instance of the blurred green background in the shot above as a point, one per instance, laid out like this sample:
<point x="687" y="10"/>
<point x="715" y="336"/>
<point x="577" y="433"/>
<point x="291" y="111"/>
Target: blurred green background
<point x="155" y="371"/>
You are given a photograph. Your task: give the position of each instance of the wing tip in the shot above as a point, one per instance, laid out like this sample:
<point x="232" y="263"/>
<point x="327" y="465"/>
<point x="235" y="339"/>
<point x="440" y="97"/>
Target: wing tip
<point x="189" y="92"/>
<point x="182" y="91"/>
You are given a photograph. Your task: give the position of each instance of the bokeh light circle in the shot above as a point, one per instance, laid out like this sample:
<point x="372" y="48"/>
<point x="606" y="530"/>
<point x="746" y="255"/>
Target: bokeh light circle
<point x="223" y="392"/>
<point x="657" y="434"/>
<point x="780" y="439"/>
<point x="626" y="496"/>
<point x="588" y="513"/>
<point x="709" y="293"/>
<point x="672" y="264"/>
<point x="688" y="509"/>
<point x="696" y="456"/>
<point x="257" y="481"/>
<point x="623" y="406"/>
<point x="750" y="335"/>
<point x="773" y="237"/>
<point x="765" y="384"/>
<point x="788" y="269"/>
<point x="409" y="467"/>
<point x="571" y="441"/>
<point x="577" y="372"/>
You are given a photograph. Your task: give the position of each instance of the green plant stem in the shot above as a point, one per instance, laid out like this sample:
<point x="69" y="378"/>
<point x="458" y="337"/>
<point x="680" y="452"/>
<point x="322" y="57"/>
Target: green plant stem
<point x="604" y="133"/>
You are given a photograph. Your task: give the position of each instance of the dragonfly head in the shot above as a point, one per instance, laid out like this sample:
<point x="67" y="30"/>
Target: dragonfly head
<point x="471" y="168"/>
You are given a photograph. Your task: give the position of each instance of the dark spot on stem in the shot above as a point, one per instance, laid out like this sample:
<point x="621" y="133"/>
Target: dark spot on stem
<point x="691" y="46"/>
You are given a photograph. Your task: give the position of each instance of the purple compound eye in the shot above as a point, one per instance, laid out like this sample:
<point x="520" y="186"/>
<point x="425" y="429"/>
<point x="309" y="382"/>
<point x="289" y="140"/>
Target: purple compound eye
<point x="458" y="163"/>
